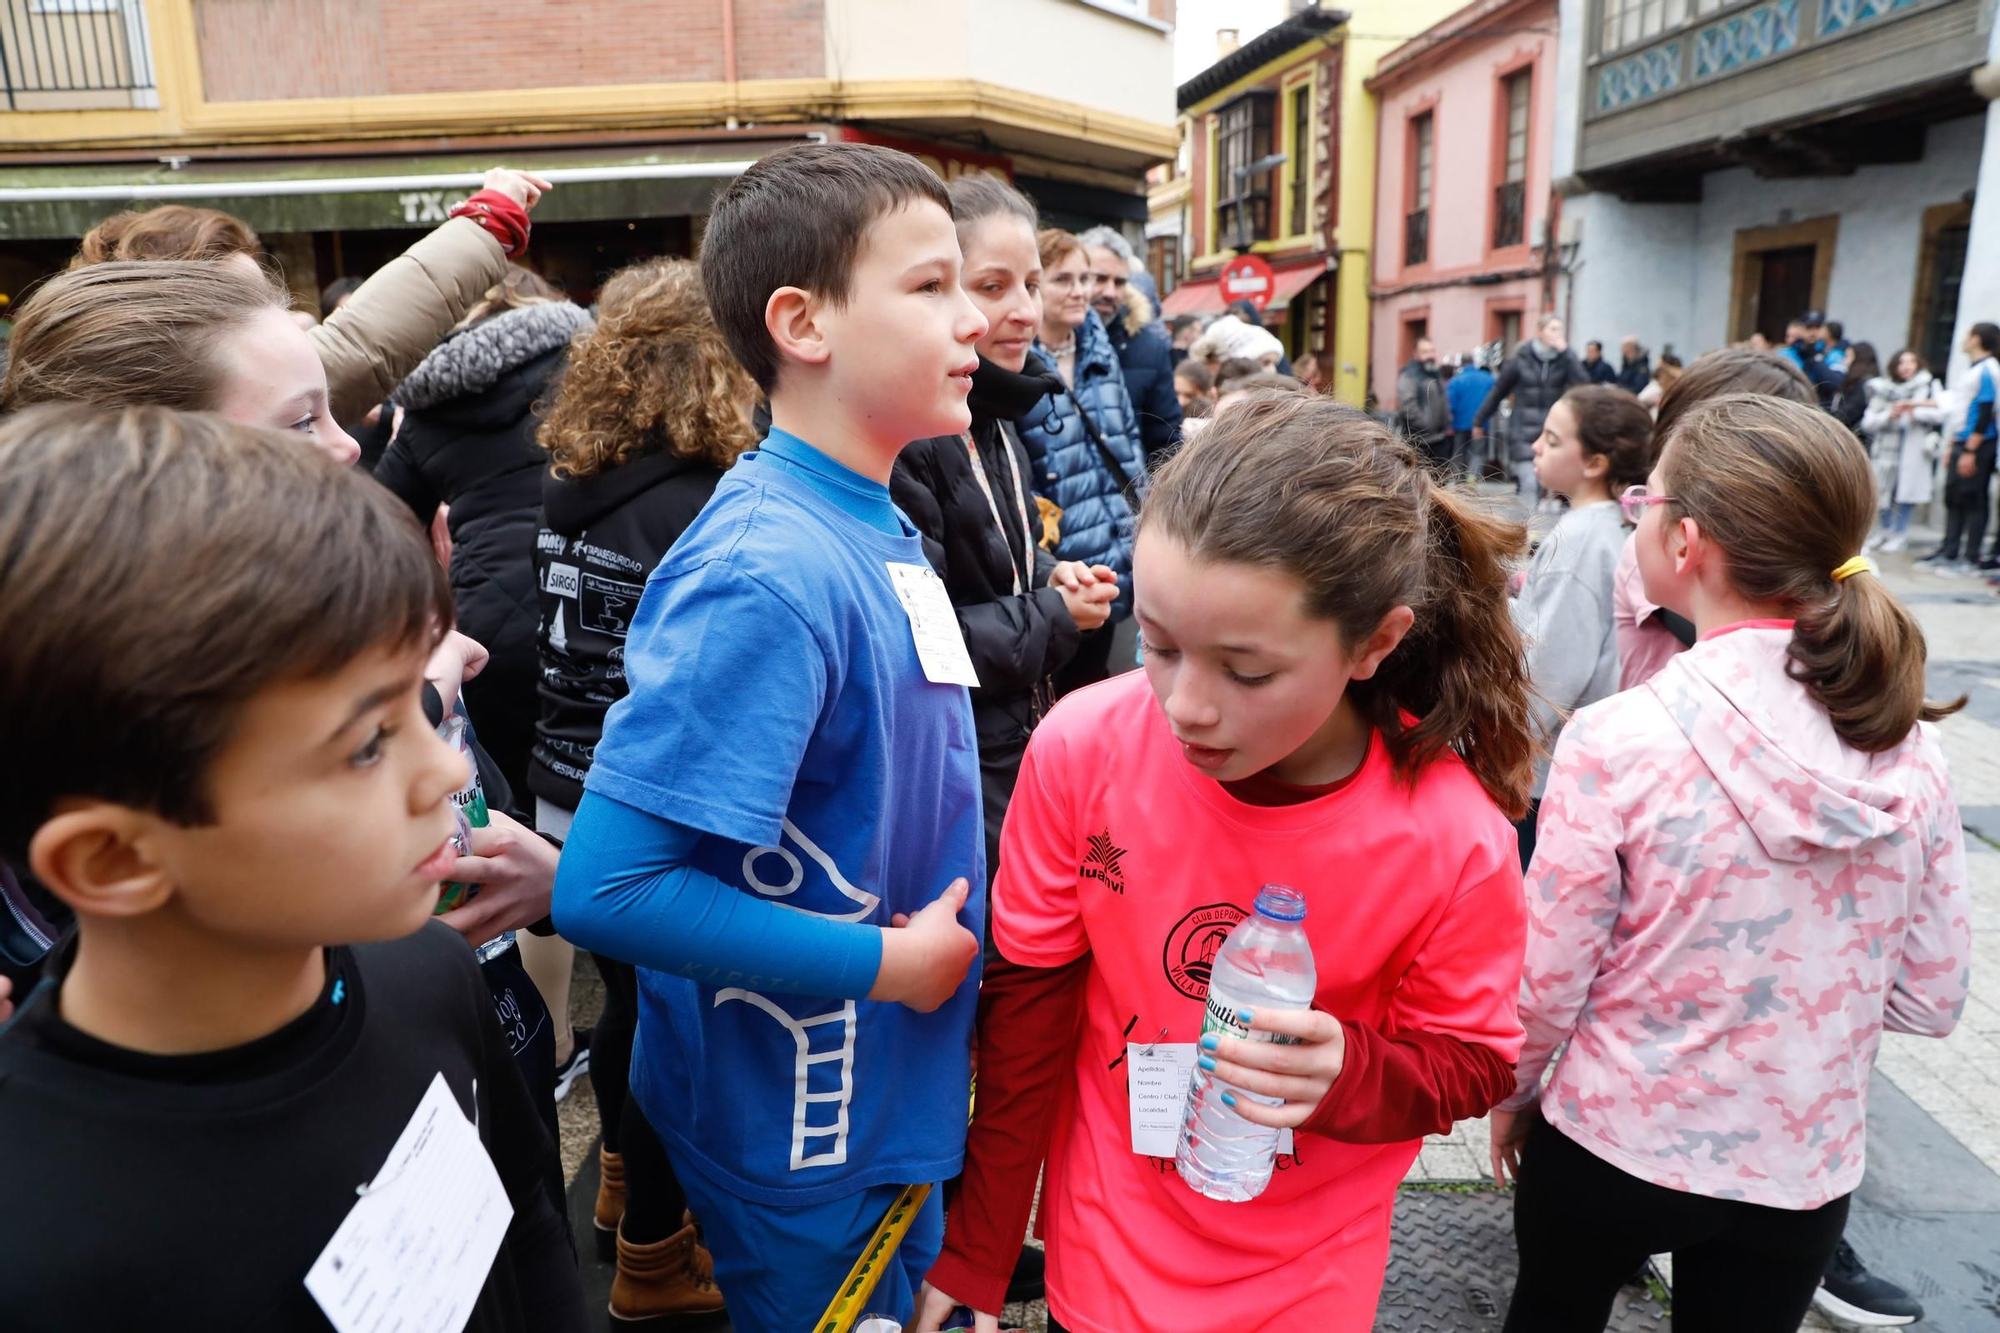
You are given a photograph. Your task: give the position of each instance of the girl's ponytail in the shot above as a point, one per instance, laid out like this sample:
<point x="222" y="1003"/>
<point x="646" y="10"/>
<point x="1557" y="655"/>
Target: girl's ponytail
<point x="1332" y="498"/>
<point x="1731" y="463"/>
<point x="1462" y="671"/>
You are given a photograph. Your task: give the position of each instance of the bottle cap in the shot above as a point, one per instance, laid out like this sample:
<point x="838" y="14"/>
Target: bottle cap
<point x="1281" y="903"/>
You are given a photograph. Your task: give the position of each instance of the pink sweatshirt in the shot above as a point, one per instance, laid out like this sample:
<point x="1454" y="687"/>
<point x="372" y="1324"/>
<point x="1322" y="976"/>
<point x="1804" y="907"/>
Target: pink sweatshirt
<point x="1727" y="905"/>
<point x="1644" y="644"/>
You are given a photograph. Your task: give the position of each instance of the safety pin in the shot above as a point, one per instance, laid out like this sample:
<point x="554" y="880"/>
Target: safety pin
<point x="1147" y="1049"/>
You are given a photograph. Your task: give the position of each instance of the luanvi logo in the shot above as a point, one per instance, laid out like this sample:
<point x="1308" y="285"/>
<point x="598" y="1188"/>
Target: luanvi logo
<point x="1103" y="862"/>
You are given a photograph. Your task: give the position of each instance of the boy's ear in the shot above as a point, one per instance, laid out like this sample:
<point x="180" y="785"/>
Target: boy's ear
<point x="1596" y="466"/>
<point x="792" y="318"/>
<point x="93" y="856"/>
<point x="1387" y="637"/>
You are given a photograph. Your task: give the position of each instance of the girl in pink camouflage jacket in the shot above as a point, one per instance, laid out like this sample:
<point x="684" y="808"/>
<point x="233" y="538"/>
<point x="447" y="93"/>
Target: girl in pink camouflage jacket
<point x="1747" y="869"/>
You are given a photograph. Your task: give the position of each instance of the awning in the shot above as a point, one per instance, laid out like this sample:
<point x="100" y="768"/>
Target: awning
<point x="368" y="194"/>
<point x="1205" y="298"/>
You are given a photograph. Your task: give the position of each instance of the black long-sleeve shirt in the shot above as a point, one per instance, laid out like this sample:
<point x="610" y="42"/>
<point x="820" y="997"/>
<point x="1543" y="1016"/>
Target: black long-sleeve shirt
<point x="194" y="1192"/>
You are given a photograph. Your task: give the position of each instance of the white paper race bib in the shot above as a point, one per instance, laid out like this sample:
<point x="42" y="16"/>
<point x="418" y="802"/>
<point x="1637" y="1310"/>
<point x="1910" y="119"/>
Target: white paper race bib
<point x="933" y="625"/>
<point x="1159" y="1075"/>
<point x="414" y="1253"/>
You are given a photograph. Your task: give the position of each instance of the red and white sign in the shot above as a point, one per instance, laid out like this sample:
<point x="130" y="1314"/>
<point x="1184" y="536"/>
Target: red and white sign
<point x="1247" y="278"/>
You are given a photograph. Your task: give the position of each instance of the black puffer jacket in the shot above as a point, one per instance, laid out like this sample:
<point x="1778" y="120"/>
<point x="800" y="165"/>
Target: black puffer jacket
<point x="468" y="441"/>
<point x="1536" y="383"/>
<point x="600" y="537"/>
<point x="1016" y="642"/>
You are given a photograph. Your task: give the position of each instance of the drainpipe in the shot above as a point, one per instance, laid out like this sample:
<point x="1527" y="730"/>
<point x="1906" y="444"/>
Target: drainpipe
<point x="729" y="55"/>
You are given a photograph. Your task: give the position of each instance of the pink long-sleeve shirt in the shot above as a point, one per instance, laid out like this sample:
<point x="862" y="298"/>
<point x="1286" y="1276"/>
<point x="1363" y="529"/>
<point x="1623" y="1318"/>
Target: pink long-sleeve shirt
<point x="1727" y="905"/>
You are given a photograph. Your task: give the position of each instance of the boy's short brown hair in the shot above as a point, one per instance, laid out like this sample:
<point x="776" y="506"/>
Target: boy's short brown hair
<point x="161" y="569"/>
<point x="796" y="219"/>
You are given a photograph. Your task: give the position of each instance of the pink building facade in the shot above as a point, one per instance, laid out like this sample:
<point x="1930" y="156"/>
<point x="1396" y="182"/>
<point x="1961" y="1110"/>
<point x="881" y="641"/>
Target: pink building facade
<point x="1465" y="125"/>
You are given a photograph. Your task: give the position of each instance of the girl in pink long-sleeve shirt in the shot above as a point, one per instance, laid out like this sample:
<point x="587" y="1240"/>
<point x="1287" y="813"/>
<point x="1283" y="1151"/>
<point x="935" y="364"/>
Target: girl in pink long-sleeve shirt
<point x="1748" y="868"/>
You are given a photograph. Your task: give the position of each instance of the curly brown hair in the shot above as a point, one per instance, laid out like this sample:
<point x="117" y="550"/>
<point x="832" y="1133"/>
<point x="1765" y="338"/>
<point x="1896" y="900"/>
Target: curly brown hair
<point x="653" y="375"/>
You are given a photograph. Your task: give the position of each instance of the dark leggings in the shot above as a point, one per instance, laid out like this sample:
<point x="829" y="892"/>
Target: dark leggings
<point x="1524" y="832"/>
<point x="653" y="1198"/>
<point x="1583" y="1227"/>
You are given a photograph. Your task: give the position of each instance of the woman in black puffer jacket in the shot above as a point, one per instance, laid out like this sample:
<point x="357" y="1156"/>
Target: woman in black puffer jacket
<point x="468" y="442"/>
<point x="969" y="495"/>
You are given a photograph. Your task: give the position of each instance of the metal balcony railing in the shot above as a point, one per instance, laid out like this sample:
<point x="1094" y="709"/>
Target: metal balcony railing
<point x="70" y="47"/>
<point x="1510" y="206"/>
<point x="1416" y="237"/>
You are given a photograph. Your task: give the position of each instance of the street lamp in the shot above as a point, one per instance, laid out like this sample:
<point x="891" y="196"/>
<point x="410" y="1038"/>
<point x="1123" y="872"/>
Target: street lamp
<point x="1243" y="175"/>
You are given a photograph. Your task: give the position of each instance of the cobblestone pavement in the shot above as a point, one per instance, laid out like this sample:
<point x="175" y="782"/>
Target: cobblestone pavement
<point x="1930" y="1213"/>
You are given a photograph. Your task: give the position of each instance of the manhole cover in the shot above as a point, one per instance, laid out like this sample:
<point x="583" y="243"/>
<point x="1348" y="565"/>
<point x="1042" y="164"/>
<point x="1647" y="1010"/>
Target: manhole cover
<point x="1452" y="1268"/>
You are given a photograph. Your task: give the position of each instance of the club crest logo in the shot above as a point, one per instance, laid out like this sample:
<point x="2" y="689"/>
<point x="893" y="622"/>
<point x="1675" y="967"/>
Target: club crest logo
<point x="1192" y="945"/>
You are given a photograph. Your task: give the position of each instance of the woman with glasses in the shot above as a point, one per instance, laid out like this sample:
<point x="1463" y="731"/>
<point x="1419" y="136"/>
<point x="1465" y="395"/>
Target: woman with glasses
<point x="1085" y="446"/>
<point x="1595" y="443"/>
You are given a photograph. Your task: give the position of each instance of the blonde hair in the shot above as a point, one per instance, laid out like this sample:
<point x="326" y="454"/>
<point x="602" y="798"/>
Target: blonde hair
<point x="521" y="287"/>
<point x="131" y="332"/>
<point x="654" y="374"/>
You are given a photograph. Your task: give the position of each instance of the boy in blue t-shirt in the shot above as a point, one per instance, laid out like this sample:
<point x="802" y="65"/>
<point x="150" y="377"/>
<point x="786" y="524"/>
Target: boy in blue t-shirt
<point x="781" y="826"/>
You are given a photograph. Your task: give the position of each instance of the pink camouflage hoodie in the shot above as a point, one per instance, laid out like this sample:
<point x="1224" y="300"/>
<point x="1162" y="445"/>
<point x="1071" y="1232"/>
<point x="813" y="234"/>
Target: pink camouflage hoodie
<point x="1727" y="905"/>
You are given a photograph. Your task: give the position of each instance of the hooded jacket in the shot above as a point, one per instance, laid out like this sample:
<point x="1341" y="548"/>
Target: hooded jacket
<point x="600" y="537"/>
<point x="1536" y="379"/>
<point x="1423" y="411"/>
<point x="1097" y="520"/>
<point x="1145" y="353"/>
<point x="468" y="441"/>
<point x="1017" y="640"/>
<point x="1727" y="906"/>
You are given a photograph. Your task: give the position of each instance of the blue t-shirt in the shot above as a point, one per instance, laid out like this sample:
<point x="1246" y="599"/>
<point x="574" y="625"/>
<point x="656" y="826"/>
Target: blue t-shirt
<point x="1465" y="391"/>
<point x="777" y="703"/>
<point x="1979" y="407"/>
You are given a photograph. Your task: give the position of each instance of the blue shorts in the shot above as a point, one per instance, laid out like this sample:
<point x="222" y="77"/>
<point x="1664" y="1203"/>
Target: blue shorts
<point x="779" y="1268"/>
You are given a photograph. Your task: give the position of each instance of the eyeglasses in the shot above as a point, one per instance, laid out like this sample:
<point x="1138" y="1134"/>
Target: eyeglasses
<point x="1634" y="502"/>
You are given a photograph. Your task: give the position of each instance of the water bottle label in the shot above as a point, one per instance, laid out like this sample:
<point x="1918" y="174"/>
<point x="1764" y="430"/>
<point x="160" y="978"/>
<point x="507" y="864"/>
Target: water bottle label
<point x="1220" y="1018"/>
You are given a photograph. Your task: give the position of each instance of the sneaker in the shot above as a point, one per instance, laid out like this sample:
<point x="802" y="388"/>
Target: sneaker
<point x="1937" y="557"/>
<point x="1851" y="1295"/>
<point x="1894" y="543"/>
<point x="1955" y="569"/>
<point x="1991" y="562"/>
<point x="578" y="1063"/>
<point x="1875" y="540"/>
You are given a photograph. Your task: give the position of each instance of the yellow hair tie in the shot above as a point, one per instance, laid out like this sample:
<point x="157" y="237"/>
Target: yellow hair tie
<point x="1860" y="564"/>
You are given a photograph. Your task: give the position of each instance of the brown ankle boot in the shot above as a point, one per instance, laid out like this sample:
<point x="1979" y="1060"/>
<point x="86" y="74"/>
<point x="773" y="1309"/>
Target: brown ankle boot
<point x="674" y="1276"/>
<point x="610" y="1201"/>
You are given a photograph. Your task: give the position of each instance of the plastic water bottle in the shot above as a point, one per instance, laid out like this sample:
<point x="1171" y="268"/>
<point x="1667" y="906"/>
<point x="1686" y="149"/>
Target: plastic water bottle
<point x="1266" y="963"/>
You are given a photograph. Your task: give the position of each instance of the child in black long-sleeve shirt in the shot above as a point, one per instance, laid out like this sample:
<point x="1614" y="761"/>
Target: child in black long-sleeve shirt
<point x="255" y="1086"/>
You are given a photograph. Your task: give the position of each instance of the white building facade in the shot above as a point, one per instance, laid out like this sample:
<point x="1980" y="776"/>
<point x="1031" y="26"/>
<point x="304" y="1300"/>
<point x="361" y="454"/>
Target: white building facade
<point x="1728" y="166"/>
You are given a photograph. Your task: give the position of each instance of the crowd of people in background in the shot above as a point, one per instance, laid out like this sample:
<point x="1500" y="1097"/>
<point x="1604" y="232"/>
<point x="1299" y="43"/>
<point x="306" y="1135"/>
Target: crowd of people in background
<point x="824" y="633"/>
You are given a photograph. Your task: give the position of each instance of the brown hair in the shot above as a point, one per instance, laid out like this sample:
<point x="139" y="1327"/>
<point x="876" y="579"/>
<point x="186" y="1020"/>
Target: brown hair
<point x="1897" y="360"/>
<point x="978" y="196"/>
<point x="1735" y="461"/>
<point x="130" y="332"/>
<point x="1338" y="502"/>
<point x="136" y="631"/>
<point x="653" y="375"/>
<point x="171" y="231"/>
<point x="520" y="287"/>
<point x="1235" y="369"/>
<point x="1730" y="370"/>
<point x="1263" y="382"/>
<point x="796" y="218"/>
<point x="1057" y="245"/>
<point x="1611" y="423"/>
<point x="1196" y="374"/>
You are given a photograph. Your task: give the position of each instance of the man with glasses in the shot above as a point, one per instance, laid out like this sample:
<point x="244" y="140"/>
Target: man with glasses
<point x="1144" y="354"/>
